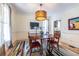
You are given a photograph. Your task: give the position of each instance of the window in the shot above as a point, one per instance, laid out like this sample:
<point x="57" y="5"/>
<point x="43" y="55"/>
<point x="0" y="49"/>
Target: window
<point x="44" y="25"/>
<point x="4" y="24"/>
<point x="1" y="25"/>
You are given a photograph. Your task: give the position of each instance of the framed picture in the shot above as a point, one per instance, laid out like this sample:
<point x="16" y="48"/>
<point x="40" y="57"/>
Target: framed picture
<point x="34" y="25"/>
<point x="73" y="23"/>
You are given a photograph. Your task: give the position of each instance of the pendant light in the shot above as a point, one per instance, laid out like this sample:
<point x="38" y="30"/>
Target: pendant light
<point x="41" y="15"/>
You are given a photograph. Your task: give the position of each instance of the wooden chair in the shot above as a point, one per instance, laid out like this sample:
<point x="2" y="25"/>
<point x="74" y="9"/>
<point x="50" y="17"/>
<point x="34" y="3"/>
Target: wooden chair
<point x="54" y="41"/>
<point x="33" y="42"/>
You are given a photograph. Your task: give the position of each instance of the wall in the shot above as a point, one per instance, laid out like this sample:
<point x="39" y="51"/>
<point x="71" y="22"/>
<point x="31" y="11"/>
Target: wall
<point x="19" y="26"/>
<point x="13" y="24"/>
<point x="69" y="36"/>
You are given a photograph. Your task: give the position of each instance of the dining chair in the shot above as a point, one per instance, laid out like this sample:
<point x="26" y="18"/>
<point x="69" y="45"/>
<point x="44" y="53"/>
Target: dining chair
<point x="53" y="42"/>
<point x="34" y="42"/>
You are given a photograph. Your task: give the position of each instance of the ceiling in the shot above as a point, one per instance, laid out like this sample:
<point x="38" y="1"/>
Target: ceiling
<point x="51" y="8"/>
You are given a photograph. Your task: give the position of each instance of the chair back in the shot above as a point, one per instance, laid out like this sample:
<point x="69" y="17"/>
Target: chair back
<point x="33" y="37"/>
<point x="57" y="36"/>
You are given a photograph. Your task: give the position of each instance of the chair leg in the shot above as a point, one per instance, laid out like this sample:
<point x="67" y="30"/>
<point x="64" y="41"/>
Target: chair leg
<point x="51" y="49"/>
<point x="30" y="51"/>
<point x="40" y="51"/>
<point x="48" y="45"/>
<point x="58" y="46"/>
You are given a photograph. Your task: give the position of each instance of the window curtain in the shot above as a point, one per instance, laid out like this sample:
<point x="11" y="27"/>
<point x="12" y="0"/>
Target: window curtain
<point x="1" y="25"/>
<point x="4" y="24"/>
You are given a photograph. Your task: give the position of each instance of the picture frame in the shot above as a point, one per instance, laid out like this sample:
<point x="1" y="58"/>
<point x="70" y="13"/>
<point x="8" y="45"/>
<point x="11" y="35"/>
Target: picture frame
<point x="73" y="23"/>
<point x="34" y="25"/>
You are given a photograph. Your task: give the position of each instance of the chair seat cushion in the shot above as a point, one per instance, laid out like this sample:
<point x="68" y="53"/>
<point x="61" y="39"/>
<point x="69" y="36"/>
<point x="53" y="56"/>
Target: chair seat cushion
<point x="52" y="41"/>
<point x="35" y="44"/>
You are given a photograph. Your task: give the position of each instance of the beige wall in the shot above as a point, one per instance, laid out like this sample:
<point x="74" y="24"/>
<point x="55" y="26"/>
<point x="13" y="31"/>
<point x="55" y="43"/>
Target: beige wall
<point x="13" y="14"/>
<point x="19" y="26"/>
<point x="69" y="36"/>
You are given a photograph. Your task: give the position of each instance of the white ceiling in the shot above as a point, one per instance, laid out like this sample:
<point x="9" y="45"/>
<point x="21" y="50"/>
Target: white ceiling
<point x="30" y="8"/>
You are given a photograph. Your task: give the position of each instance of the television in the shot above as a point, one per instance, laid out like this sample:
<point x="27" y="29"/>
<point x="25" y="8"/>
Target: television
<point x="34" y="24"/>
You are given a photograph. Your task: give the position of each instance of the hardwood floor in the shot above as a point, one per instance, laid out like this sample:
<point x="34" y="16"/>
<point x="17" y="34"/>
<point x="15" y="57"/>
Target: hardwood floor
<point x="13" y="51"/>
<point x="70" y="47"/>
